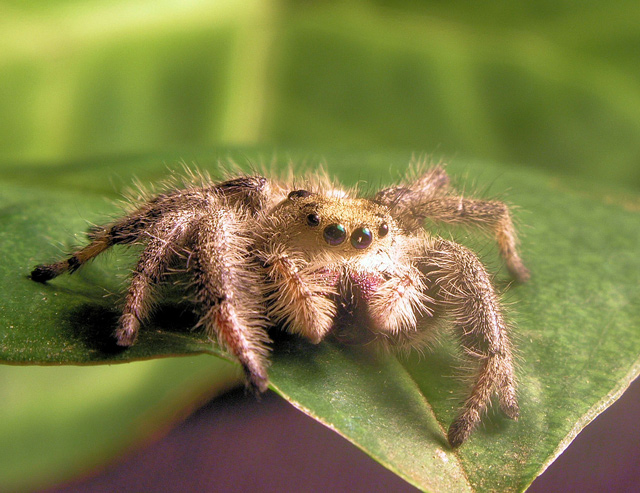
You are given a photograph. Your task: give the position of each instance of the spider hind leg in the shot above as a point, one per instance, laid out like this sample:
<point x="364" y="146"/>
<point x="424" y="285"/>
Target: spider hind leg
<point x="125" y="230"/>
<point x="45" y="272"/>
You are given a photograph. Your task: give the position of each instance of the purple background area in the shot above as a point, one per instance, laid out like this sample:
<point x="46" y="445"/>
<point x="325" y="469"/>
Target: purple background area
<point x="235" y="443"/>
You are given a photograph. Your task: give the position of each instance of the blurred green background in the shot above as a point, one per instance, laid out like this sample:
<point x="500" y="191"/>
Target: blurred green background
<point x="547" y="84"/>
<point x="550" y="84"/>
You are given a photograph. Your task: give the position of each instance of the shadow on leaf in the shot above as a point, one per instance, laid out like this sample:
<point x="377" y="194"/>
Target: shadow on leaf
<point x="94" y="325"/>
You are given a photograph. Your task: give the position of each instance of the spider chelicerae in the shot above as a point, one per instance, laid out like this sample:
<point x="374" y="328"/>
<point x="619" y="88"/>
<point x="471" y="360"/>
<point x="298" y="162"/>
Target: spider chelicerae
<point x="316" y="259"/>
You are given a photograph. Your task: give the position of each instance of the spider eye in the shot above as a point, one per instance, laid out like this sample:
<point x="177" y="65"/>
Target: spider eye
<point x="361" y="237"/>
<point x="313" y="220"/>
<point x="383" y="230"/>
<point x="334" y="234"/>
<point x="299" y="194"/>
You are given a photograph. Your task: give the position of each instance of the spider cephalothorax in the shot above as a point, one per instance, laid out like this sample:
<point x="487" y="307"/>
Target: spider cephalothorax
<point x="319" y="260"/>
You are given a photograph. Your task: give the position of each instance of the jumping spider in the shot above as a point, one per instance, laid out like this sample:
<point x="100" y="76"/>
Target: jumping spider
<point x="319" y="260"/>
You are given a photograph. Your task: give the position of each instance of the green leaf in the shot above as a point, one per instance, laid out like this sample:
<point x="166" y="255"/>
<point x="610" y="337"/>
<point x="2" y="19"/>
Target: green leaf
<point x="577" y="327"/>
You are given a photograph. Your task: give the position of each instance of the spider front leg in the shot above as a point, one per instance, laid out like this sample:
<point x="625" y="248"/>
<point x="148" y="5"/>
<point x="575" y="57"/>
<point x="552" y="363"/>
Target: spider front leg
<point x="463" y="287"/>
<point x="301" y="296"/>
<point x="227" y="294"/>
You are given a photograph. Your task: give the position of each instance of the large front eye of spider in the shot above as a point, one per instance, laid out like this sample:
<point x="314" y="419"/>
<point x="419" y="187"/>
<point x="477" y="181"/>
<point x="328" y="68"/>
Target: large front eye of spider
<point x="361" y="237"/>
<point x="334" y="234"/>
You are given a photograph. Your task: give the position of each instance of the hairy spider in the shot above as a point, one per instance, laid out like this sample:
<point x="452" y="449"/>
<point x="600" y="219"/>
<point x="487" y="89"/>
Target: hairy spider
<point x="319" y="260"/>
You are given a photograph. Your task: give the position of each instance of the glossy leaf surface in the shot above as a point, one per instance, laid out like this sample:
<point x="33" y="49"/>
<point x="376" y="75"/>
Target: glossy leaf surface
<point x="577" y="328"/>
